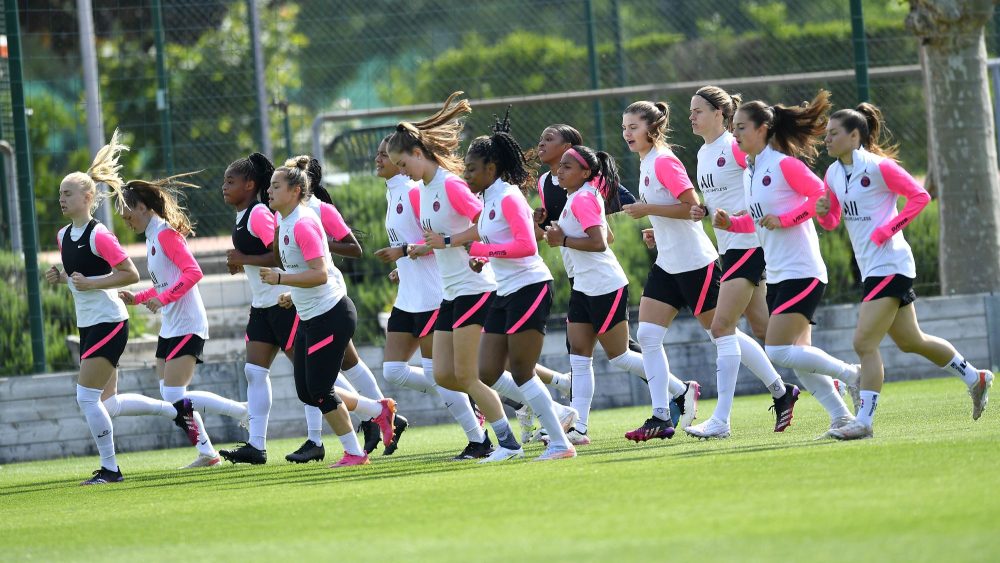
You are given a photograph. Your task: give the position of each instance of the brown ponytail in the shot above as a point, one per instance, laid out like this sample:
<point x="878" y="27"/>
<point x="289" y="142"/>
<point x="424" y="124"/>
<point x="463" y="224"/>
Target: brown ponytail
<point x="437" y="136"/>
<point x="657" y="118"/>
<point x="161" y="196"/>
<point x="795" y="130"/>
<point x="723" y="101"/>
<point x="867" y="120"/>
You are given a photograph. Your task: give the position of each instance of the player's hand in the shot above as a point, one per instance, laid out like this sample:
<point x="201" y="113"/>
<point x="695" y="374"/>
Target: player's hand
<point x="390" y="254"/>
<point x="554" y="235"/>
<point x="269" y="276"/>
<point x="649" y="238"/>
<point x="127" y="296"/>
<point x="698" y="212"/>
<point x="476" y="264"/>
<point x="433" y="240"/>
<point x="394" y="276"/>
<point x="418" y="250"/>
<point x="54" y="276"/>
<point x="770" y="222"/>
<point x="285" y="300"/>
<point x="823" y="204"/>
<point x="721" y="220"/>
<point x="81" y="283"/>
<point x="635" y="210"/>
<point x="540" y="215"/>
<point x="154" y="304"/>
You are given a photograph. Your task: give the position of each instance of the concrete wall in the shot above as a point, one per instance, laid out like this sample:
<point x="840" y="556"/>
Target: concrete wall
<point x="39" y="418"/>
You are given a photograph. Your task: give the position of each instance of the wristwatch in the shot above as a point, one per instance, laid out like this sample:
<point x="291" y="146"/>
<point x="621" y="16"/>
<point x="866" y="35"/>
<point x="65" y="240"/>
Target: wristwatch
<point x="447" y="241"/>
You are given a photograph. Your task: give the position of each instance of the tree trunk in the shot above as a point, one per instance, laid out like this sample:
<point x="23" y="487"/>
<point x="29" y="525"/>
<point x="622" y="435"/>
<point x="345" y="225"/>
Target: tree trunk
<point x="962" y="147"/>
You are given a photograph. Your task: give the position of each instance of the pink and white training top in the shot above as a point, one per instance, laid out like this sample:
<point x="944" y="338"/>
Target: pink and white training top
<point x="95" y="306"/>
<point x="448" y="207"/>
<point x="301" y="238"/>
<point x="334" y="229"/>
<point x="595" y="273"/>
<point x="506" y="229"/>
<point x="777" y="184"/>
<point x="681" y="244"/>
<point x="720" y="177"/>
<point x="866" y="199"/>
<point x="419" y="280"/>
<point x="175" y="274"/>
<point x="261" y="226"/>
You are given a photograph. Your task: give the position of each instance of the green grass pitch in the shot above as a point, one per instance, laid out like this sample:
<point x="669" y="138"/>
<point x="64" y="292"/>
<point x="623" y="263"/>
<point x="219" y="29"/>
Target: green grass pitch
<point x="927" y="488"/>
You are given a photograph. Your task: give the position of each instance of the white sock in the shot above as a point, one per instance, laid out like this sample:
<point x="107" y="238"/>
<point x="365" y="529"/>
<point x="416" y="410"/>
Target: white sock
<point x="210" y="403"/>
<point x="630" y="362"/>
<point x="562" y="382"/>
<point x="756" y="360"/>
<point x="363" y="380"/>
<point x="172" y="394"/>
<point x="100" y="424"/>
<point x="656" y="366"/>
<point x="133" y="404"/>
<point x="351" y="444"/>
<point x="258" y="403"/>
<point x="403" y="374"/>
<point x="960" y="367"/>
<point x="583" y="387"/>
<point x="869" y="402"/>
<point x="727" y="369"/>
<point x="538" y="398"/>
<point x="506" y="387"/>
<point x="367" y="409"/>
<point x="314" y="424"/>
<point x="821" y="387"/>
<point x="812" y="359"/>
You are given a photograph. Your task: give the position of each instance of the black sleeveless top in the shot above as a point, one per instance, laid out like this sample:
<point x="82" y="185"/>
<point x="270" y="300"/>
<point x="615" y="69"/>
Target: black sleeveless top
<point x="243" y="240"/>
<point x="77" y="255"/>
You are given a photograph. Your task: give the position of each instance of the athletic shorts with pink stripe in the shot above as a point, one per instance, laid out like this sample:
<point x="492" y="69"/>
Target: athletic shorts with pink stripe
<point x="274" y="325"/>
<point x="603" y="312"/>
<point x="525" y="309"/>
<point x="168" y="348"/>
<point x="799" y="295"/>
<point x="463" y="310"/>
<point x="698" y="289"/>
<point x="895" y="285"/>
<point x="417" y="325"/>
<point x="104" y="340"/>
<point x="746" y="263"/>
<point x="320" y="343"/>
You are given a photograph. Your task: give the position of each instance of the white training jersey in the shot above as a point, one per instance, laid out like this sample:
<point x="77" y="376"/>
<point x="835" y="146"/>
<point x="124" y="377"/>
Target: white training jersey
<point x="301" y="238"/>
<point x="681" y="244"/>
<point x="94" y="306"/>
<point x="777" y="184"/>
<point x="419" y="280"/>
<point x="507" y="235"/>
<point x="174" y="273"/>
<point x="447" y="207"/>
<point x="720" y="177"/>
<point x="260" y="225"/>
<point x="595" y="273"/>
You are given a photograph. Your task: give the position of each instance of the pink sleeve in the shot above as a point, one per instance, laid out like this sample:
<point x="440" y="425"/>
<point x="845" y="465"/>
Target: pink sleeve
<point x="262" y="224"/>
<point x="587" y="210"/>
<point x="832" y="218"/>
<point x="309" y="238"/>
<point x="177" y="251"/>
<point x="461" y="198"/>
<point x="108" y="248"/>
<point x="900" y="182"/>
<point x="739" y="155"/>
<point x="541" y="189"/>
<point x="415" y="202"/>
<point x="741" y="224"/>
<point x="518" y="215"/>
<point x="59" y="236"/>
<point x="671" y="173"/>
<point x="333" y="222"/>
<point x="805" y="183"/>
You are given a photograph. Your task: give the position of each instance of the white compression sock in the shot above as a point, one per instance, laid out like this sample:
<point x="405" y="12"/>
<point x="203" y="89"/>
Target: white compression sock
<point x="540" y="401"/>
<point x="314" y="424"/>
<point x="210" y="403"/>
<point x="812" y="359"/>
<point x="561" y="382"/>
<point x="583" y="387"/>
<point x="457" y="404"/>
<point x="506" y="387"/>
<point x="363" y="380"/>
<point x="405" y="375"/>
<point x="960" y="367"/>
<point x="351" y="444"/>
<point x="656" y="366"/>
<point x="727" y="369"/>
<point x="869" y="402"/>
<point x="132" y="404"/>
<point x="99" y="423"/>
<point x="204" y="445"/>
<point x="258" y="403"/>
<point x="367" y="409"/>
<point x="821" y="387"/>
<point x="756" y="360"/>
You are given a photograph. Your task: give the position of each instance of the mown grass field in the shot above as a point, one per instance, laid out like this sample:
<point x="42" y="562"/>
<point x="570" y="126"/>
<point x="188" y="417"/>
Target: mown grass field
<point x="927" y="488"/>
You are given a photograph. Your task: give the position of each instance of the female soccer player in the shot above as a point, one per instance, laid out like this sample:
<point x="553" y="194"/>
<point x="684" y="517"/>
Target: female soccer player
<point x="411" y="323"/>
<point x="94" y="265"/>
<point x="721" y="166"/>
<point x="327" y="315"/>
<point x="781" y="194"/>
<point x="861" y="188"/>
<point x="151" y="208"/>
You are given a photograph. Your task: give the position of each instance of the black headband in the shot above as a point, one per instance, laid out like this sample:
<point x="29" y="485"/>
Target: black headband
<point x="707" y="99"/>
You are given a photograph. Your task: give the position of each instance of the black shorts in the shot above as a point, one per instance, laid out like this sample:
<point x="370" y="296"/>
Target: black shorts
<point x="417" y="324"/>
<point x="746" y="263"/>
<point x="320" y="343"/>
<point x="603" y="312"/>
<point x="795" y="296"/>
<point x="274" y="325"/>
<point x="177" y="346"/>
<point x="464" y="310"/>
<point x="525" y="309"/>
<point x="697" y="289"/>
<point x="104" y="340"/>
<point x="896" y="285"/>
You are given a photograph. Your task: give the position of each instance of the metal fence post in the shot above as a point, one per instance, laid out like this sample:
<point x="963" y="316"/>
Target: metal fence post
<point x="860" y="50"/>
<point x="92" y="96"/>
<point x="162" y="92"/>
<point x="594" y="77"/>
<point x="264" y="131"/>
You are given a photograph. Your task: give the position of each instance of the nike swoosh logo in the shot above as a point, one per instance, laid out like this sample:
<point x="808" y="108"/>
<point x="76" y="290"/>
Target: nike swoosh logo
<point x="239" y="228"/>
<point x="81" y="245"/>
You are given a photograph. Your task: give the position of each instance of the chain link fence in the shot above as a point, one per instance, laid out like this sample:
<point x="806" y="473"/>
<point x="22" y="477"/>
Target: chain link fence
<point x="354" y="56"/>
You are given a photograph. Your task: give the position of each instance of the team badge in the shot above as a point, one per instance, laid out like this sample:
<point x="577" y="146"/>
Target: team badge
<point x="766" y="181"/>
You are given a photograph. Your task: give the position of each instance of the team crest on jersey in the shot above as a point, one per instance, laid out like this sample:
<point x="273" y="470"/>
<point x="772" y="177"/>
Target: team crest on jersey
<point x="286" y="239"/>
<point x="721" y="162"/>
<point x="646" y="180"/>
<point x="153" y="251"/>
<point x="399" y="209"/>
<point x="437" y="206"/>
<point x="766" y="181"/>
<point x="866" y="181"/>
<point x="493" y="214"/>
